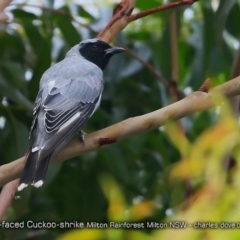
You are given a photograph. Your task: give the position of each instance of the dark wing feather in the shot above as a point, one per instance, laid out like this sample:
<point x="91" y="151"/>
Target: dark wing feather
<point x="35" y="112"/>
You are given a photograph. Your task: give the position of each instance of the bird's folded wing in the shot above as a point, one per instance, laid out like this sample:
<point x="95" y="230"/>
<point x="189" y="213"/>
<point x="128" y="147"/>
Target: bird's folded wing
<point x="63" y="102"/>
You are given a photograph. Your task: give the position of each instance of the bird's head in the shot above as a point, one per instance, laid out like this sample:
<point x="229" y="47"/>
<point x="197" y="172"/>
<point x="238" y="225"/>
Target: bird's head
<point x="98" y="52"/>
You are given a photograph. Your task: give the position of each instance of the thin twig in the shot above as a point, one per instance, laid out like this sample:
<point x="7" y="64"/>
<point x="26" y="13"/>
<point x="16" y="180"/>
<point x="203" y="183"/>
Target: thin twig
<point x="145" y="64"/>
<point x="159" y="9"/>
<point x="123" y="9"/>
<point x="174" y="47"/>
<point x="206" y="85"/>
<point x="175" y="93"/>
<point x="174" y="59"/>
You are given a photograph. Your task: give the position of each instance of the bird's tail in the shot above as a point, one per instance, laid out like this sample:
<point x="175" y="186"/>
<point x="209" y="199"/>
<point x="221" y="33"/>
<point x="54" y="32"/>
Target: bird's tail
<point x="35" y="169"/>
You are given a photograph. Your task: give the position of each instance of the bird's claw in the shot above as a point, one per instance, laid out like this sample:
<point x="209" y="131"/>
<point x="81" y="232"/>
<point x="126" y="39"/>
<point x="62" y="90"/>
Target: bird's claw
<point x="82" y="135"/>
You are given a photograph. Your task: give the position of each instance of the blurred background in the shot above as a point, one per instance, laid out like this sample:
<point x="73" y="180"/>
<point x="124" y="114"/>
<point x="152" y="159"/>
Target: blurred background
<point x="187" y="171"/>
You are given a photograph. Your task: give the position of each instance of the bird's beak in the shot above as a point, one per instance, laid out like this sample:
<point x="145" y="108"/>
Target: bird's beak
<point x="114" y="50"/>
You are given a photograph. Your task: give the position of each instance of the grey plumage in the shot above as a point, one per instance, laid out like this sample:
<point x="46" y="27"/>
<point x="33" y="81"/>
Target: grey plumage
<point x="69" y="94"/>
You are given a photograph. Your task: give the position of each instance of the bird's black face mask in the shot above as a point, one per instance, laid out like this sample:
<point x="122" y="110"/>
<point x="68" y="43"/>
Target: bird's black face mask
<point x="98" y="52"/>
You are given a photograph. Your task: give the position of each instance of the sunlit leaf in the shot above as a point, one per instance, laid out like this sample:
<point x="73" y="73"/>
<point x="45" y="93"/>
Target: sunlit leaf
<point x="88" y="234"/>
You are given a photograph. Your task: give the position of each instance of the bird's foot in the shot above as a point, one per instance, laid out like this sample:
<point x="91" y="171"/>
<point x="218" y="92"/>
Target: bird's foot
<point x="82" y="135"/>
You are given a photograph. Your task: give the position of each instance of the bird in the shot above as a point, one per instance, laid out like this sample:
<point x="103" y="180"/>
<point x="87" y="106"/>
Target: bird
<point x="69" y="93"/>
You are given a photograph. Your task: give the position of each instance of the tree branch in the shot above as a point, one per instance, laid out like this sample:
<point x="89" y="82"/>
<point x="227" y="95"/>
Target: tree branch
<point x="7" y="196"/>
<point x="122" y="16"/>
<point x="119" y="20"/>
<point x="196" y="101"/>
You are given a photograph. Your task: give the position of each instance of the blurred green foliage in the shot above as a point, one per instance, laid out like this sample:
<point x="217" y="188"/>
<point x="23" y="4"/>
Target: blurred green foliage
<point x="143" y="178"/>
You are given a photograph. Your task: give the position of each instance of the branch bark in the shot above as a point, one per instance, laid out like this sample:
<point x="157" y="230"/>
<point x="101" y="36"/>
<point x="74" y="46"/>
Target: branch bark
<point x="196" y="101"/>
<point x="7" y="196"/>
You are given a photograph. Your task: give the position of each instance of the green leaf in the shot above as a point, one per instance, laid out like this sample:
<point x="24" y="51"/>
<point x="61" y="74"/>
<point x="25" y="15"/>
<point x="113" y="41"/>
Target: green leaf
<point x="84" y="13"/>
<point x="22" y="137"/>
<point x="141" y="4"/>
<point x="23" y="15"/>
<point x="6" y="89"/>
<point x="117" y="166"/>
<point x="15" y="74"/>
<point x="233" y="16"/>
